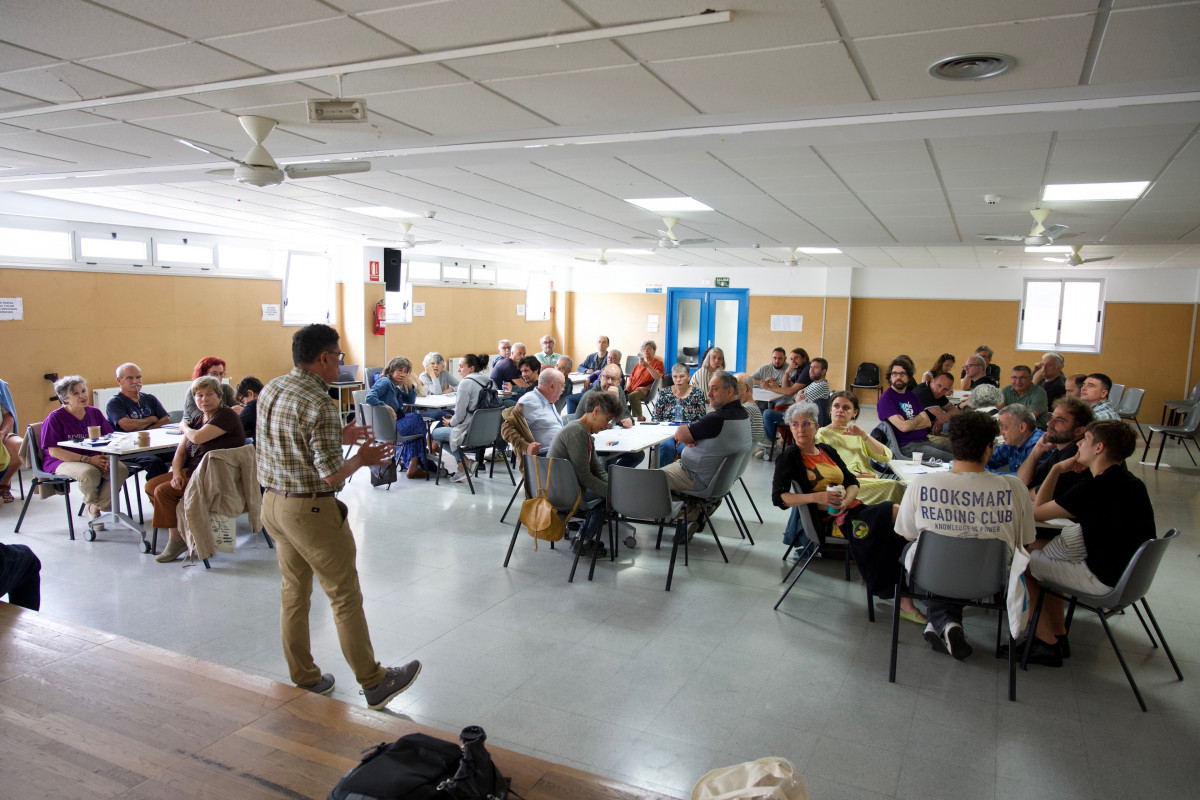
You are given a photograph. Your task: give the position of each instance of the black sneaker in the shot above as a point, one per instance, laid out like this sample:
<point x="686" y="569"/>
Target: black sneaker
<point x="323" y="686"/>
<point x="934" y="639"/>
<point x="1064" y="647"/>
<point x="394" y="682"/>
<point x="956" y="641"/>
<point x="585" y="548"/>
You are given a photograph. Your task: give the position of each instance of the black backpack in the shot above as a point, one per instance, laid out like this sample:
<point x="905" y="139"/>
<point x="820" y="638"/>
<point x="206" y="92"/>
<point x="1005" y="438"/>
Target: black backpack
<point x="867" y="374"/>
<point x="488" y="397"/>
<point x="420" y="767"/>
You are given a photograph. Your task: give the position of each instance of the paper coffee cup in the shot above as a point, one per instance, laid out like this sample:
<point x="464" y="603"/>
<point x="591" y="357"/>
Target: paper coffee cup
<point x="918" y="457"/>
<point x="143" y="439"/>
<point x="93" y="431"/>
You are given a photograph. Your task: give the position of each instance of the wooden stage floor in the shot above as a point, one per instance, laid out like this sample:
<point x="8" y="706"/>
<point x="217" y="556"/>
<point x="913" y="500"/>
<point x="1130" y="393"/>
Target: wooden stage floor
<point x="87" y="714"/>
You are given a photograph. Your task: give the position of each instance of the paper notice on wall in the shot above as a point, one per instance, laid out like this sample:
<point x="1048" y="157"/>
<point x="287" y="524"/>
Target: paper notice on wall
<point x="418" y="309"/>
<point x="787" y="322"/>
<point x="272" y="312"/>
<point x="652" y="323"/>
<point x="520" y="310"/>
<point x="12" y="308"/>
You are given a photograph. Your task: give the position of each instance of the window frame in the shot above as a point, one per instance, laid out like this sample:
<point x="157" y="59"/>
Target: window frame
<point x="327" y="293"/>
<point x="1057" y="345"/>
<point x="533" y="289"/>
<point x="82" y="234"/>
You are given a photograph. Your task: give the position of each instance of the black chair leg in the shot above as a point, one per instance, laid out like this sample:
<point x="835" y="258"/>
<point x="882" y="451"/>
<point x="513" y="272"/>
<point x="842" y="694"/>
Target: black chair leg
<point x="154" y="543"/>
<point x="1121" y="658"/>
<point x="1162" y="440"/>
<point x="1163" y="639"/>
<point x="680" y="533"/>
<point x="1146" y="451"/>
<point x="270" y="541"/>
<point x="751" y="499"/>
<point x="70" y="519"/>
<point x="508" y="507"/>
<point x="803" y="563"/>
<point x="1033" y="623"/>
<point x="137" y="490"/>
<point x="25" y="505"/>
<point x="713" y="531"/>
<point x="513" y="543"/>
<point x="207" y="565"/>
<point x="870" y="606"/>
<point x="1145" y="627"/>
<point x="895" y="633"/>
<point x="470" y="483"/>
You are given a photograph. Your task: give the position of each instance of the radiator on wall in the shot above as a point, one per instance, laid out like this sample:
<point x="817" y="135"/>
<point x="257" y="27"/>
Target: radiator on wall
<point x="171" y="394"/>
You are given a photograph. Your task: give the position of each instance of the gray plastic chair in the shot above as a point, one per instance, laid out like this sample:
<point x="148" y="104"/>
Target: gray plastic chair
<point x="557" y="479"/>
<point x="885" y="429"/>
<point x="720" y="486"/>
<point x="383" y="427"/>
<point x="642" y="495"/>
<point x="630" y="363"/>
<point x="1177" y="408"/>
<point x="1133" y="586"/>
<point x="815" y="546"/>
<point x="1131" y="404"/>
<point x="484" y="433"/>
<point x="1190" y="429"/>
<point x="1115" y="394"/>
<point x="957" y="570"/>
<point x="33" y="436"/>
<point x="746" y="458"/>
<point x="175" y="416"/>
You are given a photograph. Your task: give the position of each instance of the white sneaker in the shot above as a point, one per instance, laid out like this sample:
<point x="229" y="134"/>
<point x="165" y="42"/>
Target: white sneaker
<point x="459" y="477"/>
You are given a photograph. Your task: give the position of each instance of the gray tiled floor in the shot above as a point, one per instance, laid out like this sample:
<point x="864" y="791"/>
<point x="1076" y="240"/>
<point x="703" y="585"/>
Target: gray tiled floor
<point x="618" y="677"/>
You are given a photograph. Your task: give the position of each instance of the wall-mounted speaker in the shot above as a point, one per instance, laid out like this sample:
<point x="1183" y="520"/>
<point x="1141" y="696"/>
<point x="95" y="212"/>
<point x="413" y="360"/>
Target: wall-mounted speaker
<point x="391" y="269"/>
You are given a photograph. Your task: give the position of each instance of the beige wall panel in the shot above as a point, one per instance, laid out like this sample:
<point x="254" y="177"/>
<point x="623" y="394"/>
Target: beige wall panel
<point x="761" y="340"/>
<point x="463" y="320"/>
<point x="620" y="317"/>
<point x="833" y="346"/>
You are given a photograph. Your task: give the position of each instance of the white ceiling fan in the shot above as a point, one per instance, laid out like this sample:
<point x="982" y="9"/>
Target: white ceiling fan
<point x="407" y="240"/>
<point x="668" y="239"/>
<point x="601" y="261"/>
<point x="257" y="168"/>
<point x="1039" y="235"/>
<point x="792" y="260"/>
<point x="1075" y="260"/>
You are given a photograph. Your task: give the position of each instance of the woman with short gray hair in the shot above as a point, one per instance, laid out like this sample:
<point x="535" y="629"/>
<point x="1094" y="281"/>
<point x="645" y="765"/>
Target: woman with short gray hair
<point x="648" y="369"/>
<point x="396" y="391"/>
<point x="436" y="378"/>
<point x="679" y="403"/>
<point x="71" y="421"/>
<point x="985" y="398"/>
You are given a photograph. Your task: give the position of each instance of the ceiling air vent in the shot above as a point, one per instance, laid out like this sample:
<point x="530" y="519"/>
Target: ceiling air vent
<point x="973" y="67"/>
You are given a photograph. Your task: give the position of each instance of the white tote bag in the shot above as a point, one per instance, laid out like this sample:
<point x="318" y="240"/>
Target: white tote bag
<point x="764" y="779"/>
<point x="224" y="533"/>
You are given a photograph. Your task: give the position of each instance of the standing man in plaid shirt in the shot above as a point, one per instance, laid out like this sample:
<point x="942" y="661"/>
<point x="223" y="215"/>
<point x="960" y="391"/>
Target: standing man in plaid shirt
<point x="301" y="467"/>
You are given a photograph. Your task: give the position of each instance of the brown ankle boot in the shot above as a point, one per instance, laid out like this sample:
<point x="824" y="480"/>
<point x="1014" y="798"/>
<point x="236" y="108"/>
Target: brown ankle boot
<point x="414" y="470"/>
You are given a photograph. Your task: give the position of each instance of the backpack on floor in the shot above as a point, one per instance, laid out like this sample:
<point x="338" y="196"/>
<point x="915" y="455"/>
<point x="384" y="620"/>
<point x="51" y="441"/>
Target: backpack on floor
<point x="420" y="767"/>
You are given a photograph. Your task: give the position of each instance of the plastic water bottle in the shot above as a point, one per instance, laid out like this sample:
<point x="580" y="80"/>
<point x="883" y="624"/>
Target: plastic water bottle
<point x="678" y="414"/>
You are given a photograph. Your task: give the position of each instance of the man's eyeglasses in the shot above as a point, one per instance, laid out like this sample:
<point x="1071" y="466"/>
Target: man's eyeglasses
<point x="897" y="374"/>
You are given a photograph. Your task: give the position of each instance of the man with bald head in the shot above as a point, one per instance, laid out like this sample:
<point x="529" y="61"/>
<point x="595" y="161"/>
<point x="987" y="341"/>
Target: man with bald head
<point x="131" y="409"/>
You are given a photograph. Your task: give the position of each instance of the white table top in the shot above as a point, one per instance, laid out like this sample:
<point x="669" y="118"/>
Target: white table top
<point x="436" y="401"/>
<point x="126" y="443"/>
<point x="907" y="470"/>
<point x="762" y="395"/>
<point x="629" y="440"/>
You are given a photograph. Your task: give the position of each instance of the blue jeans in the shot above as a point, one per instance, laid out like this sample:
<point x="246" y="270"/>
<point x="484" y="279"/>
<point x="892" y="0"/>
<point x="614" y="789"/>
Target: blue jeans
<point x="772" y="419"/>
<point x="573" y="403"/>
<point x="794" y="534"/>
<point x="20" y="576"/>
<point x="667" y="452"/>
<point x="442" y="435"/>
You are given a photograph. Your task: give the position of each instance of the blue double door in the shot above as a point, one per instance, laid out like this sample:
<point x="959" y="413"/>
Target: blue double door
<point x="698" y="319"/>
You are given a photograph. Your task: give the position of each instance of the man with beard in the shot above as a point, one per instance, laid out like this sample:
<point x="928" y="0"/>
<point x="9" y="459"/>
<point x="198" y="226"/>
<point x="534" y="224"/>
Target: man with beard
<point x="901" y="409"/>
<point x="1064" y="430"/>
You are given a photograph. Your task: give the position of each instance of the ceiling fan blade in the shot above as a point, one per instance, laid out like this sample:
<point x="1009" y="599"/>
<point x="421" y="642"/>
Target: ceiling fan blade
<point x="650" y="238"/>
<point x="1054" y="231"/>
<point x="995" y="237"/>
<point x="227" y="173"/>
<point x="692" y="241"/>
<point x="1102" y="258"/>
<point x="589" y="260"/>
<point x="320" y="169"/>
<point x="203" y="149"/>
<point x="426" y="241"/>
<point x="1057" y="260"/>
<point x="774" y="260"/>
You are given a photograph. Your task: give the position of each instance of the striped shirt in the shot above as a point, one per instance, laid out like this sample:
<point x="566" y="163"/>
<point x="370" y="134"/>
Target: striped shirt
<point x="299" y="430"/>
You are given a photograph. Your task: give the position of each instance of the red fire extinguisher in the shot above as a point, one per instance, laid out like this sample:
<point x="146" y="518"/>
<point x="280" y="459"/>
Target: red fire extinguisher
<point x="380" y="318"/>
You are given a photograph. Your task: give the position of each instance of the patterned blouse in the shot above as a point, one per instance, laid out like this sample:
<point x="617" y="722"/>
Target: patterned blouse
<point x="691" y="407"/>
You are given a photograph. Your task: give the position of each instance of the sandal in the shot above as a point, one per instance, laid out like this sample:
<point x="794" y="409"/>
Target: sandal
<point x="913" y="616"/>
<point x="6" y="494"/>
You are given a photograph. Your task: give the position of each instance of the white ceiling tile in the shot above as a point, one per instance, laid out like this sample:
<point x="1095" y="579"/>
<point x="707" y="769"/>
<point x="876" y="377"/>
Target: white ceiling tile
<point x="65" y="151"/>
<point x="756" y="25"/>
<point x="1049" y="54"/>
<point x="1150" y="44"/>
<point x="792" y="77"/>
<point x="180" y="65"/>
<point x="386" y="81"/>
<point x="127" y="138"/>
<point x="603" y="95"/>
<point x="259" y="96"/>
<point x="12" y="57"/>
<point x="59" y="119"/>
<point x="72" y="29"/>
<point x="455" y="110"/>
<point x="314" y="44"/>
<point x="216" y="17"/>
<point x="65" y="83"/>
<point x="429" y="27"/>
<point x="884" y="17"/>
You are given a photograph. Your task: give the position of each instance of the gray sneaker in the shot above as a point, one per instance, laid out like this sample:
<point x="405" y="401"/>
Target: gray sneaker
<point x="323" y="686"/>
<point x="394" y="682"/>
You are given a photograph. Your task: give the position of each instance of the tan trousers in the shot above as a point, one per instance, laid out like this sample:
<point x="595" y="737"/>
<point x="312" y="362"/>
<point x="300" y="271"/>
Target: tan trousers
<point x="677" y="477"/>
<point x="635" y="399"/>
<point x="313" y="537"/>
<point x="93" y="483"/>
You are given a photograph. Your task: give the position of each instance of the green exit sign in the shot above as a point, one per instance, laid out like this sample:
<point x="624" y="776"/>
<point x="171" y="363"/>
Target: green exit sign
<point x="722" y="283"/>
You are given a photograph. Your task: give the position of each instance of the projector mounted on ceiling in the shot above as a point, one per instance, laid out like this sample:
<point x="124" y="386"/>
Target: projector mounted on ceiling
<point x="339" y="110"/>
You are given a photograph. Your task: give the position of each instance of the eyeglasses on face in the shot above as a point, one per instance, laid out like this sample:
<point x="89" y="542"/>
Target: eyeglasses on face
<point x="897" y="374"/>
<point x="804" y="424"/>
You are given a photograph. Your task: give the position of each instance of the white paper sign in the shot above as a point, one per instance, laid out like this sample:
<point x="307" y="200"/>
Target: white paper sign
<point x="787" y="322"/>
<point x="272" y="312"/>
<point x="12" y="308"/>
<point x="418" y="309"/>
<point x="652" y="323"/>
<point x="520" y="310"/>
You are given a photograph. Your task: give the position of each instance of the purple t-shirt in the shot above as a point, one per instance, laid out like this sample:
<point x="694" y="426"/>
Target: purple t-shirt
<point x="61" y="425"/>
<point x="905" y="404"/>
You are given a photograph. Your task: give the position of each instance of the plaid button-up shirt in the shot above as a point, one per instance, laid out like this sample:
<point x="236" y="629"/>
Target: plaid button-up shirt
<point x="299" y="434"/>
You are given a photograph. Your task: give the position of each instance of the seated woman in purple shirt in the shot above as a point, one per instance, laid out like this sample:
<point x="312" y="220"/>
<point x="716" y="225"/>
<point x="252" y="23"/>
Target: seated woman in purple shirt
<point x="87" y="467"/>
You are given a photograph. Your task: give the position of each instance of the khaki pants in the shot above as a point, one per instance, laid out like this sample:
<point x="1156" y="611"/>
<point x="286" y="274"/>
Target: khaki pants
<point x="93" y="483"/>
<point x="313" y="537"/>
<point x="635" y="399"/>
<point x="677" y="477"/>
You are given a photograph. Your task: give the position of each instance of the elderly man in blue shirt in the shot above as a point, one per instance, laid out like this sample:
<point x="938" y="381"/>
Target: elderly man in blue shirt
<point x="1018" y="428"/>
<point x="541" y="416"/>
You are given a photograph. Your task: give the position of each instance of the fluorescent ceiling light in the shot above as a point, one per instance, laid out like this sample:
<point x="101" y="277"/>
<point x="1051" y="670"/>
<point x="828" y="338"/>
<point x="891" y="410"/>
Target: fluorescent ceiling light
<point x="383" y="212"/>
<point x="818" y="251"/>
<point x="669" y="204"/>
<point x="642" y="251"/>
<point x="1050" y="248"/>
<point x="1130" y="190"/>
